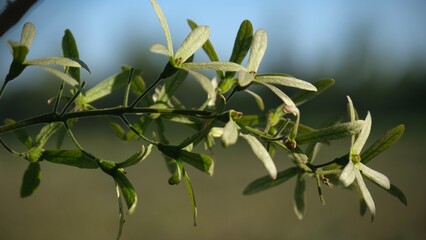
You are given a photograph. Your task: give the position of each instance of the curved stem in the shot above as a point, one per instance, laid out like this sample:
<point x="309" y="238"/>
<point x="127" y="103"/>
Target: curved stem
<point x="130" y="126"/>
<point x="8" y="148"/>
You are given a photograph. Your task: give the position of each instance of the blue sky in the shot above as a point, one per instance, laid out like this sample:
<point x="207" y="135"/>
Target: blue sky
<point x="301" y="34"/>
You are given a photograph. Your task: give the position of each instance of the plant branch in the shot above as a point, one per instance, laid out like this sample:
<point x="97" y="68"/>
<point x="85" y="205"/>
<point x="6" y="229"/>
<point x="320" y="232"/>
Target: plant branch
<point x="13" y="13"/>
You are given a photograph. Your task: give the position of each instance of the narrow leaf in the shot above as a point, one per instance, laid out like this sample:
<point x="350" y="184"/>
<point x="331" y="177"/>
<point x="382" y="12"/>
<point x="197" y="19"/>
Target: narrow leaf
<point x="127" y="190"/>
<point x="219" y="66"/>
<point x="31" y="180"/>
<point x="45" y="133"/>
<point x="70" y="50"/>
<point x="192" y="43"/>
<point x="73" y="157"/>
<point x="207" y="47"/>
<point x="348" y="174"/>
<point x="351" y="113"/>
<point x="286" y="80"/>
<point x="62" y="61"/>
<point x="160" y="49"/>
<point x="303" y="96"/>
<point x="27" y="34"/>
<point x="21" y="134"/>
<point x="68" y="79"/>
<point x="242" y="42"/>
<point x="261" y="153"/>
<point x="375" y="176"/>
<point x="366" y="194"/>
<point x="300" y="197"/>
<point x="136" y="158"/>
<point x="391" y="137"/>
<point x="205" y="83"/>
<point x="164" y="25"/>
<point x="363" y="136"/>
<point x="257" y="98"/>
<point x="191" y="194"/>
<point x="265" y="182"/>
<point x="337" y="131"/>
<point x="396" y="192"/>
<point x="257" y="50"/>
<point x="245" y="78"/>
<point x="200" y="161"/>
<point x="230" y="134"/>
<point x="286" y="99"/>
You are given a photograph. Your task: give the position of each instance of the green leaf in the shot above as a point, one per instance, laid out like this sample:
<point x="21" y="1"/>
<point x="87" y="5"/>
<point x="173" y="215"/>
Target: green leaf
<point x="207" y="47"/>
<point x="391" y="137"/>
<point x="265" y="182"/>
<point x="261" y="153"/>
<point x="230" y="133"/>
<point x="191" y="194"/>
<point x="245" y="78"/>
<point x="257" y="50"/>
<point x="108" y="86"/>
<point x="286" y="99"/>
<point x="164" y="25"/>
<point x="31" y="180"/>
<point x="219" y="66"/>
<point x="200" y="161"/>
<point x="286" y="80"/>
<point x="396" y="192"/>
<point x="303" y="96"/>
<point x="300" y="197"/>
<point x="160" y="49"/>
<point x="45" y="133"/>
<point x="72" y="157"/>
<point x="175" y="170"/>
<point x="257" y="98"/>
<point x="331" y="133"/>
<point x="27" y="34"/>
<point x="62" y="61"/>
<point x="70" y="50"/>
<point x="66" y="78"/>
<point x="127" y="190"/>
<point x="205" y="83"/>
<point x="363" y="136"/>
<point x="195" y="40"/>
<point x="242" y="42"/>
<point x="136" y="158"/>
<point x="21" y="134"/>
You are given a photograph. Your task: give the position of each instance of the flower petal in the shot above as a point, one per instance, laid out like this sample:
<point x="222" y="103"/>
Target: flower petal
<point x="160" y="49"/>
<point x="375" y="176"/>
<point x="363" y="136"/>
<point x="366" y="194"/>
<point x="244" y="78"/>
<point x="195" y="40"/>
<point x="288" y="81"/>
<point x="348" y="174"/>
<point x="257" y="50"/>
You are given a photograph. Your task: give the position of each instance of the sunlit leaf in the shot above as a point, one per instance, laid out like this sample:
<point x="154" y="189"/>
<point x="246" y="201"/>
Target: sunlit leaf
<point x="205" y="83"/>
<point x="127" y="190"/>
<point x="348" y="174"/>
<point x="363" y="136"/>
<point x="286" y="80"/>
<point x="70" y="50"/>
<point x="366" y="194"/>
<point x="72" y="157"/>
<point x="265" y="182"/>
<point x="351" y="113"/>
<point x="164" y="25"/>
<point x="160" y="49"/>
<point x="65" y="77"/>
<point x="245" y="78"/>
<point x="257" y="50"/>
<point x="300" y="197"/>
<point x="221" y="66"/>
<point x="45" y="133"/>
<point x="303" y="96"/>
<point x="375" y="176"/>
<point x="27" y="34"/>
<point x="192" y="43"/>
<point x="391" y="137"/>
<point x="200" y="161"/>
<point x="337" y="131"/>
<point x="62" y="61"/>
<point x="207" y="47"/>
<point x="191" y="194"/>
<point x="31" y="180"/>
<point x="261" y="153"/>
<point x="230" y="134"/>
<point x="136" y="158"/>
<point x="286" y="99"/>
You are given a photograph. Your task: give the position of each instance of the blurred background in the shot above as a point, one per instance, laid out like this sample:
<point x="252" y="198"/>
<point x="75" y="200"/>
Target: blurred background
<point x="376" y="51"/>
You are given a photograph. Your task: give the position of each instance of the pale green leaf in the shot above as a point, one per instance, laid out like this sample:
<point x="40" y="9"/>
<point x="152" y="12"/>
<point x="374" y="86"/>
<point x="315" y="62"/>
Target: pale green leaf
<point x="286" y="99"/>
<point x="205" y="83"/>
<point x="245" y="78"/>
<point x="27" y="34"/>
<point x="207" y="47"/>
<point x="351" y="113"/>
<point x="261" y="153"/>
<point x="348" y="174"/>
<point x="63" y="76"/>
<point x="264" y="183"/>
<point x="363" y="136"/>
<point x="45" y="133"/>
<point x="391" y="137"/>
<point x="62" y="61"/>
<point x="164" y="25"/>
<point x="300" y="197"/>
<point x="375" y="176"/>
<point x="136" y="158"/>
<point x="192" y="43"/>
<point x="337" y="131"/>
<point x="258" y="99"/>
<point x="31" y="179"/>
<point x="303" y="96"/>
<point x="219" y="66"/>
<point x="160" y="49"/>
<point x="366" y="194"/>
<point x="191" y="194"/>
<point x="230" y="133"/>
<point x="257" y="50"/>
<point x="127" y="190"/>
<point x="73" y="157"/>
<point x="286" y="80"/>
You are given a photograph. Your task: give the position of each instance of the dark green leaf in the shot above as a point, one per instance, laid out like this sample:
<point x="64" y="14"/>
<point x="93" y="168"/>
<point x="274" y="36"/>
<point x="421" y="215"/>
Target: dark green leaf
<point x="391" y="137"/>
<point x="251" y="120"/>
<point x="45" y="133"/>
<point x="265" y="182"/>
<point x="337" y="131"/>
<point x="396" y="192"/>
<point x="19" y="53"/>
<point x="73" y="157"/>
<point x="31" y="180"/>
<point x="175" y="170"/>
<point x="21" y="134"/>
<point x="362" y="207"/>
<point x="191" y="195"/>
<point x="127" y="190"/>
<point x="299" y="197"/>
<point x="303" y="96"/>
<point x="200" y="161"/>
<point x="70" y="50"/>
<point x="136" y="158"/>
<point x="241" y="44"/>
